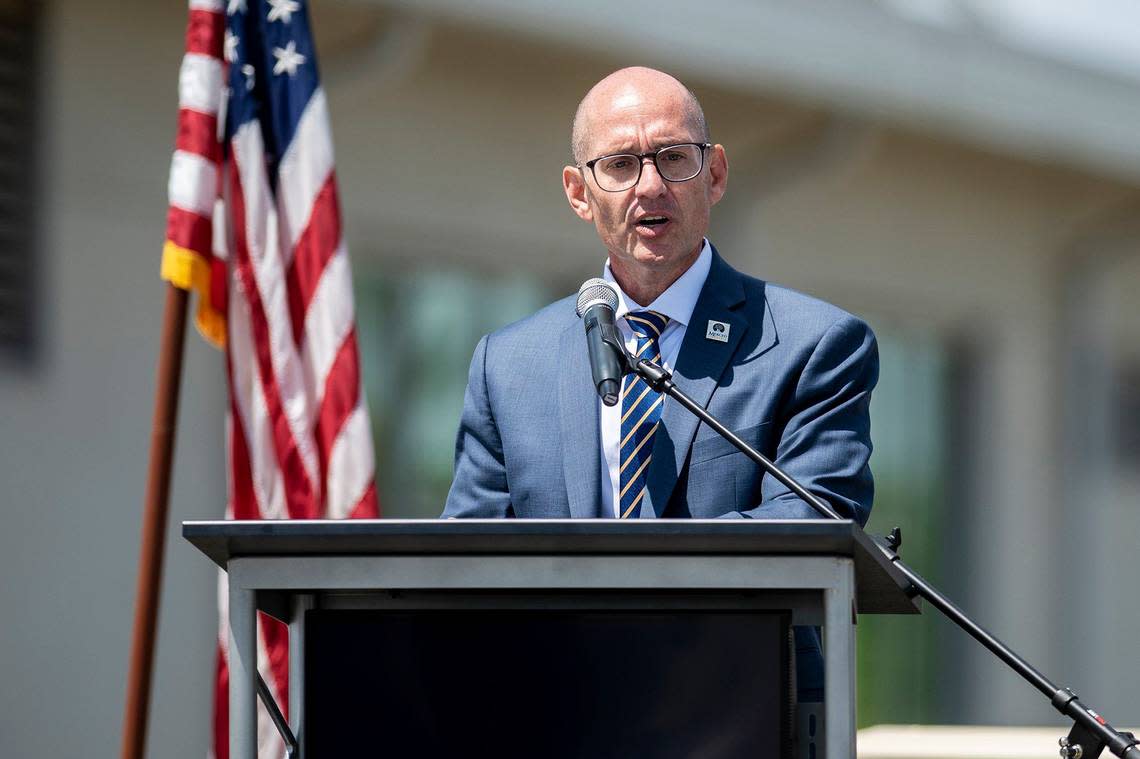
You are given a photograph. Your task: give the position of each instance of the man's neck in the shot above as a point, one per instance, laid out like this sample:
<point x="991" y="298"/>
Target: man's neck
<point x="644" y="285"/>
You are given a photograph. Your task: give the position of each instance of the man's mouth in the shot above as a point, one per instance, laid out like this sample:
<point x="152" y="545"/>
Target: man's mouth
<point x="652" y="221"/>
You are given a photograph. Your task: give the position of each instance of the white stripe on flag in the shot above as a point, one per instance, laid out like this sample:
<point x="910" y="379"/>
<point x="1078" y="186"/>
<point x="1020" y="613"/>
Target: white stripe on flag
<point x="303" y="171"/>
<point x="224" y="608"/>
<point x="218" y="228"/>
<point x="269" y="743"/>
<point x="217" y="6"/>
<point x="193" y="184"/>
<point x="200" y="83"/>
<point x="268" y="484"/>
<point x="268" y="271"/>
<point x="351" y="463"/>
<point x="327" y="321"/>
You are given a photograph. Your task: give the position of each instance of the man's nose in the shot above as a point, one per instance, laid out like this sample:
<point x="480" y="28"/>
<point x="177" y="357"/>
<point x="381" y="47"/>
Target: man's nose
<point x="649" y="184"/>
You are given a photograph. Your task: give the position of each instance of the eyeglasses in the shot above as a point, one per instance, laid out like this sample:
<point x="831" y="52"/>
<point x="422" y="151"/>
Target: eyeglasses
<point x="676" y="163"/>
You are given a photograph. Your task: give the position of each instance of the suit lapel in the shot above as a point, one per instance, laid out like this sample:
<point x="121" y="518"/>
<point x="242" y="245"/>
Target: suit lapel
<point x="581" y="439"/>
<point x="700" y="365"/>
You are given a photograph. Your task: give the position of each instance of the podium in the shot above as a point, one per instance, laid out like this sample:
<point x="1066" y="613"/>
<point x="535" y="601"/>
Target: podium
<point x="382" y="612"/>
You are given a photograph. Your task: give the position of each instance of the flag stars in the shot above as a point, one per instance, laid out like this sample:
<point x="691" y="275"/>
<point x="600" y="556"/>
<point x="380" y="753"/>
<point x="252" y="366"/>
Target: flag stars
<point x="282" y="10"/>
<point x="249" y="71"/>
<point x="235" y="6"/>
<point x="231" y="46"/>
<point x="288" y="59"/>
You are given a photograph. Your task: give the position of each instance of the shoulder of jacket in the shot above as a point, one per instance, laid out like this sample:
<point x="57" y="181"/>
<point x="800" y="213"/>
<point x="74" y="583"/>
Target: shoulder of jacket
<point x="806" y="308"/>
<point x="541" y="326"/>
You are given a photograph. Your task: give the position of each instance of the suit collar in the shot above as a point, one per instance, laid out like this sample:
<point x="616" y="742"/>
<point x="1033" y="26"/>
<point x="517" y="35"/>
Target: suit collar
<point x="701" y="364"/>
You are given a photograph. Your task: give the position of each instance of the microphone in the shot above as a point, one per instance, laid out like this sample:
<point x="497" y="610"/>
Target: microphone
<point x="597" y="300"/>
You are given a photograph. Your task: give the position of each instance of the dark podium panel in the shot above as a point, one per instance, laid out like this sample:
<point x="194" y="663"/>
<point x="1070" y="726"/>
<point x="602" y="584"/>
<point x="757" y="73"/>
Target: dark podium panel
<point x="553" y="684"/>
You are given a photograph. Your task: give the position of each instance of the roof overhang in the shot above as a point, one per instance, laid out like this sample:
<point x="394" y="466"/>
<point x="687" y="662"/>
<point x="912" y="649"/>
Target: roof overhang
<point x="857" y="57"/>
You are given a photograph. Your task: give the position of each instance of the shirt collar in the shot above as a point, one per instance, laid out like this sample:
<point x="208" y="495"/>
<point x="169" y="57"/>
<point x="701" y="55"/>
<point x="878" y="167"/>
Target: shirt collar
<point x="679" y="299"/>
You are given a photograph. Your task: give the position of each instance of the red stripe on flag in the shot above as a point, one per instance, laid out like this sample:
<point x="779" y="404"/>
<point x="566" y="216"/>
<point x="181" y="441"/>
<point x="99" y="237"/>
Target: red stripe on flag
<point x="204" y="33"/>
<point x="242" y="497"/>
<point x="275" y="634"/>
<point x="299" y="498"/>
<point x="312" y="252"/>
<point x="198" y="134"/>
<point x="189" y="230"/>
<point x="368" y="507"/>
<point x="341" y="393"/>
<point x="219" y="294"/>
<point x="222" y="707"/>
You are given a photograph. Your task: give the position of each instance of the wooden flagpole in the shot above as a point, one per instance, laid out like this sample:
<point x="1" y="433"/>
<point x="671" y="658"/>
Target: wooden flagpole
<point x="155" y="509"/>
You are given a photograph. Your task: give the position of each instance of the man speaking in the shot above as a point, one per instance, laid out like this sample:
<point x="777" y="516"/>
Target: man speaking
<point x="789" y="374"/>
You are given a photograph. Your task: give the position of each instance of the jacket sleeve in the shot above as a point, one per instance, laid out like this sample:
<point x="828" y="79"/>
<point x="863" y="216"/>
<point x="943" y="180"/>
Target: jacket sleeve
<point x="479" y="488"/>
<point x="826" y="441"/>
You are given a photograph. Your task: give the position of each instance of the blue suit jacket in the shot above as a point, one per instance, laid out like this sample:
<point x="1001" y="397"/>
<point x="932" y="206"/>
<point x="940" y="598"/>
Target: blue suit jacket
<point x="794" y="380"/>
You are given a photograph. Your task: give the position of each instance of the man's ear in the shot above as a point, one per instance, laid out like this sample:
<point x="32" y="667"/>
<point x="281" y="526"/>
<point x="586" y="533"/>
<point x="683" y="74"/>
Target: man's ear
<point x="574" y="184"/>
<point x="718" y="173"/>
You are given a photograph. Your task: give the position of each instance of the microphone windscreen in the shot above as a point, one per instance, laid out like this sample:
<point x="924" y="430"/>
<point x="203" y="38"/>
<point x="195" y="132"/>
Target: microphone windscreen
<point x="595" y="291"/>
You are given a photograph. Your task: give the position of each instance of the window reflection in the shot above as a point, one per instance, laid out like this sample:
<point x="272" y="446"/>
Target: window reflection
<point x="417" y="332"/>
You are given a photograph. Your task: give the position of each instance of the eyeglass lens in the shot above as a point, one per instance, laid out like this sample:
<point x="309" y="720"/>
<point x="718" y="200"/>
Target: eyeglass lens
<point x="675" y="164"/>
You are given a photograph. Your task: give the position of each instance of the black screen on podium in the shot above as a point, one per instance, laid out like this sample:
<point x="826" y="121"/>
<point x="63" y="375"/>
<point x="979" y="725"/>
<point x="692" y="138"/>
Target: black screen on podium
<point x="549" y="684"/>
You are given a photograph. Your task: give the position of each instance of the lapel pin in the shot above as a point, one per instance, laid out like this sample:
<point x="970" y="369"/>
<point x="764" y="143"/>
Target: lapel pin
<point x="717" y="331"/>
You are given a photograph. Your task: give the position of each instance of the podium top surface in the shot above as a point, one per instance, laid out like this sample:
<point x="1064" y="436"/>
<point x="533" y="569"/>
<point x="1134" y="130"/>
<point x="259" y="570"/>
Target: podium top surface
<point x="879" y="584"/>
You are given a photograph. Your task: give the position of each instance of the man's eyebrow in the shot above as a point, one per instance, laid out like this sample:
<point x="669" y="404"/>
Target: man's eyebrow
<point x="628" y="148"/>
<point x="622" y="147"/>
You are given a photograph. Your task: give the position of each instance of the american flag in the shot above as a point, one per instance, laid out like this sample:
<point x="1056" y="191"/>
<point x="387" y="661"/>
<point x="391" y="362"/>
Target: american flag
<point x="254" y="227"/>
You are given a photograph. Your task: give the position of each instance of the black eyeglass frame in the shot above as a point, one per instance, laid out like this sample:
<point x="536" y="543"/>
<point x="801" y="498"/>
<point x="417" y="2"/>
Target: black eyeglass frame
<point x="704" y="146"/>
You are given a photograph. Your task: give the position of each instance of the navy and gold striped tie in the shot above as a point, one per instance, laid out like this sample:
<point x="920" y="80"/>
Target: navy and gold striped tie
<point x="640" y="414"/>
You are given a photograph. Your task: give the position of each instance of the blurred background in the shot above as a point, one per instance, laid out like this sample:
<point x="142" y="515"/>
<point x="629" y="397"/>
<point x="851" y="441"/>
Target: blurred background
<point x="963" y="174"/>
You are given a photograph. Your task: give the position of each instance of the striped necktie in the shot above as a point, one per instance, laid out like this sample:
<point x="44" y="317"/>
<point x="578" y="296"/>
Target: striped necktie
<point x="640" y="413"/>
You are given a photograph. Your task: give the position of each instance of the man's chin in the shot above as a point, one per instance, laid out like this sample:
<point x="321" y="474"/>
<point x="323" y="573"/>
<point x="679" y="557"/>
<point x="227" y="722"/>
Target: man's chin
<point x="663" y="256"/>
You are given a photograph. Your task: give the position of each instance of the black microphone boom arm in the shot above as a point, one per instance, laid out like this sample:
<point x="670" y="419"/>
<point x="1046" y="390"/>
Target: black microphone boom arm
<point x="1091" y="733"/>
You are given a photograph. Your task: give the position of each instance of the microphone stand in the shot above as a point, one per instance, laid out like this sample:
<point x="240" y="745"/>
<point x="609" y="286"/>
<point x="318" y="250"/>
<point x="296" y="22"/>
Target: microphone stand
<point x="1090" y="734"/>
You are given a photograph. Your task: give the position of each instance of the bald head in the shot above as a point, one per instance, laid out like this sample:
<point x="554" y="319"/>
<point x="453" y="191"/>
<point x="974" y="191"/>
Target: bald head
<point x="628" y="86"/>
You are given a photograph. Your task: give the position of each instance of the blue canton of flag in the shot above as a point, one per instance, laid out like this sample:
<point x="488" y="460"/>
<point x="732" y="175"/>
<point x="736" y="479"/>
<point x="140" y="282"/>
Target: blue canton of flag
<point x="273" y="71"/>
